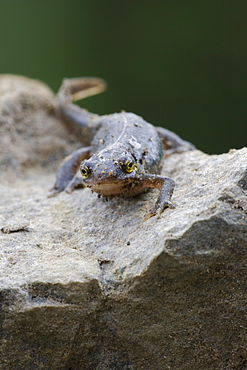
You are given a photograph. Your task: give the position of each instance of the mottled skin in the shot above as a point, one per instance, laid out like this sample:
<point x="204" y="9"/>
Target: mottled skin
<point x="125" y="155"/>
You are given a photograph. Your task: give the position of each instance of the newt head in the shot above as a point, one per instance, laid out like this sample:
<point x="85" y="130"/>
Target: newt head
<point x="111" y="172"/>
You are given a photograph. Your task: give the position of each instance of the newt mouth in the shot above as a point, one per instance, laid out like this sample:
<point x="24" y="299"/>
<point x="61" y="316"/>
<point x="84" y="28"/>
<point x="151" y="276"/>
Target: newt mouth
<point x="112" y="186"/>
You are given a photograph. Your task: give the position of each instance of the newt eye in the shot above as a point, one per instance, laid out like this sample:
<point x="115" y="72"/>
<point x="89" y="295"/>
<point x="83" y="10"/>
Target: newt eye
<point x="129" y="166"/>
<point x="84" y="172"/>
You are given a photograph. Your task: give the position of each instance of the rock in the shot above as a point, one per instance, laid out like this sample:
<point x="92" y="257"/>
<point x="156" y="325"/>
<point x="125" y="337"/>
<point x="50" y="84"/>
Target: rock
<point x="30" y="134"/>
<point x="88" y="284"/>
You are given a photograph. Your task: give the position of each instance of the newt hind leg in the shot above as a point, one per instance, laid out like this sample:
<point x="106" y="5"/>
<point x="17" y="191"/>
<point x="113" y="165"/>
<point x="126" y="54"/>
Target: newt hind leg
<point x="172" y="142"/>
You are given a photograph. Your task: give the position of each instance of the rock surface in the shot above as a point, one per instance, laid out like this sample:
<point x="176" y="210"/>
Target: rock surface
<point x="87" y="284"/>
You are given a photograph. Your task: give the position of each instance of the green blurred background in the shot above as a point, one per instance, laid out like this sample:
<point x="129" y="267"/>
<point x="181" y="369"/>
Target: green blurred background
<point x="179" y="64"/>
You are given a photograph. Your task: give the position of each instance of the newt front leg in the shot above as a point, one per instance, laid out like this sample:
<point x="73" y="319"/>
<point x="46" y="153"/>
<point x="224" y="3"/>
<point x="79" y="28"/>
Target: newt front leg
<point x="67" y="171"/>
<point x="166" y="186"/>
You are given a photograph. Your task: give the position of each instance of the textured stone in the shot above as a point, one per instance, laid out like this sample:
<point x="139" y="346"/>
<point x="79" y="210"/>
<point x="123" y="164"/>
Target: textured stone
<point x="88" y="284"/>
<point x="30" y="134"/>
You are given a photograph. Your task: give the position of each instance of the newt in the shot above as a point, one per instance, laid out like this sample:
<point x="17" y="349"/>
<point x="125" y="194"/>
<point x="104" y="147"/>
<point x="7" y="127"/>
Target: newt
<point x="123" y="154"/>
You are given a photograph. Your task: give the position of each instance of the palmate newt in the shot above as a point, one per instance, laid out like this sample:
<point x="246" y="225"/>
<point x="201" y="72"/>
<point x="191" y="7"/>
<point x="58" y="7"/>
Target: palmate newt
<point x="125" y="156"/>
